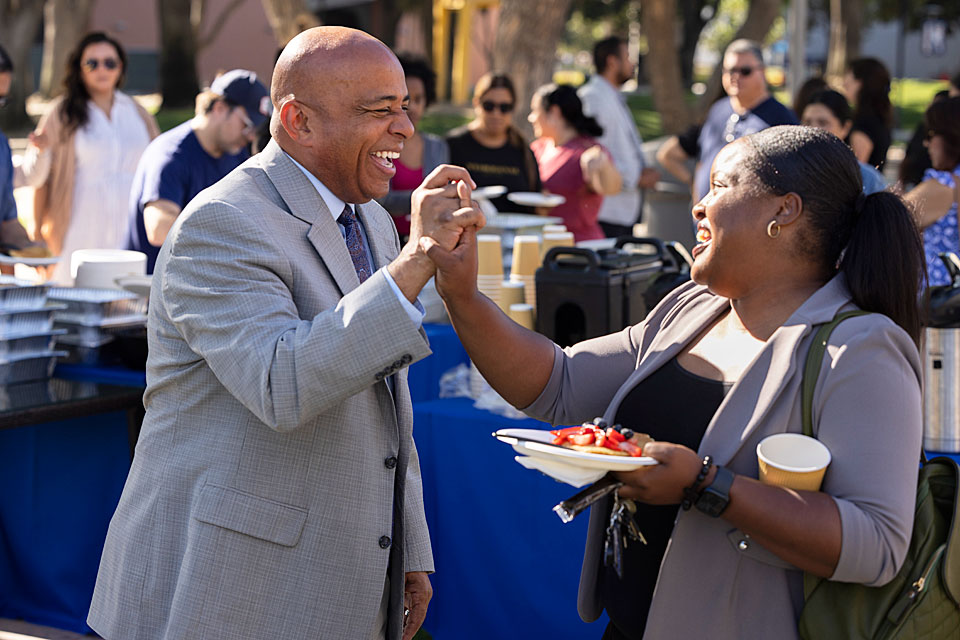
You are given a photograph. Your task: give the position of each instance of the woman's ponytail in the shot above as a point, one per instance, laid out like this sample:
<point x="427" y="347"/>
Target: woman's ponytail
<point x="884" y="261"/>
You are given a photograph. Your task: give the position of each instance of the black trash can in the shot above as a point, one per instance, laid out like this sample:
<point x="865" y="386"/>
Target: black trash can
<point x="583" y="293"/>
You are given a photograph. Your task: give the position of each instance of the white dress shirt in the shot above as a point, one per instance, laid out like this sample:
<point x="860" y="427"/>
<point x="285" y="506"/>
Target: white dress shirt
<point x="335" y="206"/>
<point x="605" y="103"/>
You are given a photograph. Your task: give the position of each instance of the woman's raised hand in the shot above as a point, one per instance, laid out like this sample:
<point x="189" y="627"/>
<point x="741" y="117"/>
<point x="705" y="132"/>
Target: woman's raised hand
<point x="456" y="269"/>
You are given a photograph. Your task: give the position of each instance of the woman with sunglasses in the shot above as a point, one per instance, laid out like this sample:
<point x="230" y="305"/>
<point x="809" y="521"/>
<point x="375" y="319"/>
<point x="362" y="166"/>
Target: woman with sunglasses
<point x="867" y="86"/>
<point x="935" y="199"/>
<point x="84" y="153"/>
<point x="828" y="110"/>
<point x="490" y="147"/>
<point x="571" y="162"/>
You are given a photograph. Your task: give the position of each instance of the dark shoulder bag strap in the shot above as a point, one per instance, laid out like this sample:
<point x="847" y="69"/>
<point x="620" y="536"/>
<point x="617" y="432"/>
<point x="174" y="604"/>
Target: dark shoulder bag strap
<point x="811" y="369"/>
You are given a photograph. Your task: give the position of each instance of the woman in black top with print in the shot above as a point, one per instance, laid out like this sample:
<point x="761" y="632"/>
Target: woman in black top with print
<point x="490" y="147"/>
<point x="867" y="86"/>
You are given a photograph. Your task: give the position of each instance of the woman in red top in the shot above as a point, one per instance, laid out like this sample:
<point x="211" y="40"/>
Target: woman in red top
<point x="571" y="162"/>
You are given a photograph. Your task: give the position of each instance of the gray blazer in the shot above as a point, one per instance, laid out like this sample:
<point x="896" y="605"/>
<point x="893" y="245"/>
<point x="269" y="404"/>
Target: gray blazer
<point x="276" y="479"/>
<point x="714" y="580"/>
<point x="436" y="152"/>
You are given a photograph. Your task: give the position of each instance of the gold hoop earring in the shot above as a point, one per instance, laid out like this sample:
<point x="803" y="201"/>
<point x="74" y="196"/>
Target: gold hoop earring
<point x="770" y="232"/>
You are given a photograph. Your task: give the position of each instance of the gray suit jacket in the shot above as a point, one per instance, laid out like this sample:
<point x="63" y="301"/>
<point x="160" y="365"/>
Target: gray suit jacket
<point x="714" y="580"/>
<point x="276" y="479"/>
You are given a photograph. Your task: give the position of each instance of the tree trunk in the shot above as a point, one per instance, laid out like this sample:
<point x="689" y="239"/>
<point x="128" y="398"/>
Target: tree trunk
<point x="179" y="83"/>
<point x="760" y="17"/>
<point x="19" y="22"/>
<point x="693" y="24"/>
<point x="658" y="19"/>
<point x="527" y="37"/>
<point x="288" y="18"/>
<point x="65" y="24"/>
<point x="846" y="22"/>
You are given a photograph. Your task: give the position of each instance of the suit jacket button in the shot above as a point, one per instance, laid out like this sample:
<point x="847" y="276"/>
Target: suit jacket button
<point x="379" y="376"/>
<point x="390" y="462"/>
<point x="406" y="359"/>
<point x="384" y="542"/>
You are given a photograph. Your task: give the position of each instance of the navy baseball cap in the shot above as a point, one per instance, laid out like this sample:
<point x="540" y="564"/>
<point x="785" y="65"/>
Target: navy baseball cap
<point x="242" y="87"/>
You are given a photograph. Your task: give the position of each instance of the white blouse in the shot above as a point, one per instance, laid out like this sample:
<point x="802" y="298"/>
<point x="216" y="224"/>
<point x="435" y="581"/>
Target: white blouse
<point x="107" y="152"/>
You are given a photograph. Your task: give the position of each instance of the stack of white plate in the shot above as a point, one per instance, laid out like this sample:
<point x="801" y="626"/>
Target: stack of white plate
<point x="100" y="268"/>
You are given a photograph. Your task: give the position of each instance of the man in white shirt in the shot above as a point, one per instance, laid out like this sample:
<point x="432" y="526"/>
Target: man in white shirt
<point x="602" y="99"/>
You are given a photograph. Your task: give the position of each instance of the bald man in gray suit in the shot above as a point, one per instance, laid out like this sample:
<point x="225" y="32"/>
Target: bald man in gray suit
<point x="275" y="491"/>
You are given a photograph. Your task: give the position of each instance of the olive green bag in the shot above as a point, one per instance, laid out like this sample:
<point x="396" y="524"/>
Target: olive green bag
<point x="923" y="601"/>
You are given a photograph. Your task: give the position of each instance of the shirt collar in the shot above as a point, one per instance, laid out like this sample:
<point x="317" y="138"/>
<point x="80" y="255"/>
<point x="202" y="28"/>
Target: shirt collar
<point x="334" y="204"/>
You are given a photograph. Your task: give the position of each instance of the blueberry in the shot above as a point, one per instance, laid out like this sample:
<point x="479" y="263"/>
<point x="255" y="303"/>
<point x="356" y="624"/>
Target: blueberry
<point x="627" y="433"/>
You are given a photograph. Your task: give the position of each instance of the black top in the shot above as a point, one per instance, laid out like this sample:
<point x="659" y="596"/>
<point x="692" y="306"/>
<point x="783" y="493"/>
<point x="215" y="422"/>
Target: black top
<point x="879" y="135"/>
<point x="676" y="406"/>
<point x="504" y="165"/>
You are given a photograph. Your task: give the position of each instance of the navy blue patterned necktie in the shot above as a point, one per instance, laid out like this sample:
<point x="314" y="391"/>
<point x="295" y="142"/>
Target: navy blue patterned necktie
<point x="355" y="243"/>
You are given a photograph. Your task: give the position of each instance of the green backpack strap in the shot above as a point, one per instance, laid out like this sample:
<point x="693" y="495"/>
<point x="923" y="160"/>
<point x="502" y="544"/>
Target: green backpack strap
<point x="811" y="370"/>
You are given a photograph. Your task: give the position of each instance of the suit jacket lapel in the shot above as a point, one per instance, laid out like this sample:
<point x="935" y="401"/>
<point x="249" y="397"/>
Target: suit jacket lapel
<point x="667" y="347"/>
<point x="742" y="411"/>
<point x="305" y="203"/>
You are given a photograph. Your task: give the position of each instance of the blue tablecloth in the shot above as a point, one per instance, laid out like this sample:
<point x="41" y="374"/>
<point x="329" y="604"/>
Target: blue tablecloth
<point x="507" y="567"/>
<point x="60" y="485"/>
<point x="424" y="376"/>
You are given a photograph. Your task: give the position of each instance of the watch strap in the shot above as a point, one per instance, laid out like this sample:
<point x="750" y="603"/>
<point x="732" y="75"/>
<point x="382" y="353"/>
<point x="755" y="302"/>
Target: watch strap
<point x="719" y="488"/>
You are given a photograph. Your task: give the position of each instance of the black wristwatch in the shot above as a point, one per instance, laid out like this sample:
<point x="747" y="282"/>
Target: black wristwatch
<point x="715" y="497"/>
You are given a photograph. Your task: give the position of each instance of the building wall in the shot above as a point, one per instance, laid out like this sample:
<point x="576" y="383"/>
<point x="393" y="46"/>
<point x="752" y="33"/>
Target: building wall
<point x="245" y="41"/>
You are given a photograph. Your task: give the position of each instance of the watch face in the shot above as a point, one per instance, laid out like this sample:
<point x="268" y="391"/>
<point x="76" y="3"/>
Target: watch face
<point x="711" y="502"/>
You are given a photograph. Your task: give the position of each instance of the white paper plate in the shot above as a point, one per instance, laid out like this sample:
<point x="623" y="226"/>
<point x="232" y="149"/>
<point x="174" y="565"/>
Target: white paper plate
<point x="542" y="448"/>
<point x="534" y="199"/>
<point x="491" y="191"/>
<point x="139" y="285"/>
<point x="30" y="262"/>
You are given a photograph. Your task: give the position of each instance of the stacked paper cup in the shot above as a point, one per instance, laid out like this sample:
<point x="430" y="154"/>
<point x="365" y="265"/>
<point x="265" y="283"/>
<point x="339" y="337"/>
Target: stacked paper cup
<point x="511" y="293"/>
<point x="522" y="314"/>
<point x="554" y="228"/>
<point x="557" y="239"/>
<point x="526" y="260"/>
<point x="489" y="266"/>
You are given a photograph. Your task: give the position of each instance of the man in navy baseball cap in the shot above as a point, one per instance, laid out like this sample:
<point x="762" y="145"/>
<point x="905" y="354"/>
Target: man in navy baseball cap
<point x="242" y="88"/>
<point x="180" y="163"/>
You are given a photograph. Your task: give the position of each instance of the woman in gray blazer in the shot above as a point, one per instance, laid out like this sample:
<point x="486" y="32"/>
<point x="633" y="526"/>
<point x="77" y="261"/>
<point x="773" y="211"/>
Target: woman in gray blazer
<point x="422" y="152"/>
<point x="786" y="239"/>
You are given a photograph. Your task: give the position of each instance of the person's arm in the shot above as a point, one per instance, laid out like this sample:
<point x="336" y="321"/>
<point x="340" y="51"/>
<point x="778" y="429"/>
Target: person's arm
<point x="930" y="201"/>
<point x="861" y="144"/>
<point x="158" y="217"/>
<point x="674" y="159"/>
<point x="599" y="172"/>
<point x="857" y="528"/>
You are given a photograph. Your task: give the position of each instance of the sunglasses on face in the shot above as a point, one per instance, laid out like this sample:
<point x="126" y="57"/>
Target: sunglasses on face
<point x="490" y="105"/>
<point x="108" y="63"/>
<point x="930" y="135"/>
<point x="743" y="72"/>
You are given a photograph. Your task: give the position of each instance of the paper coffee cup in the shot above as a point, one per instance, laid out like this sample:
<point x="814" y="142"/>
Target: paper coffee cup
<point x="526" y="255"/>
<point x="792" y="460"/>
<point x="511" y="293"/>
<point x="559" y="239"/>
<point x="489" y="255"/>
<point x="522" y="314"/>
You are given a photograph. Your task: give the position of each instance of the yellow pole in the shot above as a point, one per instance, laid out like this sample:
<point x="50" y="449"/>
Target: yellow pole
<point x="441" y="36"/>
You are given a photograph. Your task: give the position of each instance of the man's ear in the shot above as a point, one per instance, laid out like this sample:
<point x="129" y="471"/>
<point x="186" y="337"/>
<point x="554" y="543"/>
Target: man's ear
<point x="295" y="121"/>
